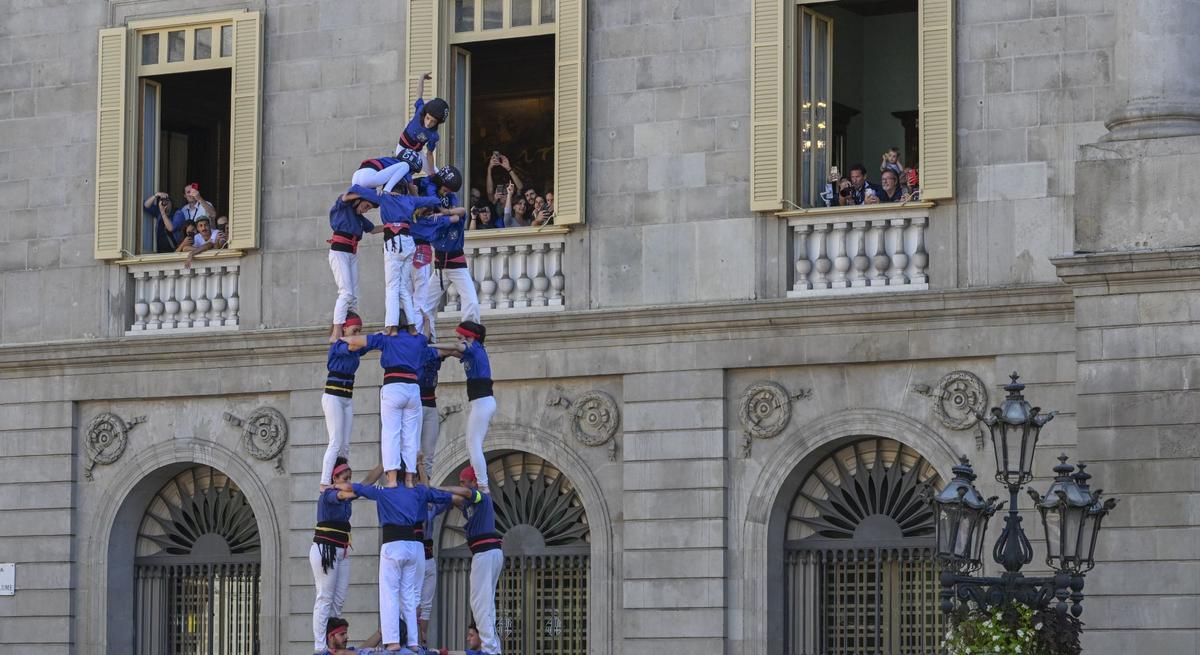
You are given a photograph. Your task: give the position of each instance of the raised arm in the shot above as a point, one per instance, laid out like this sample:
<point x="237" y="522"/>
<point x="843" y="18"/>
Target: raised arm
<point x="421" y="84"/>
<point x="511" y="173"/>
<point x="373" y="475"/>
<point x="357" y="191"/>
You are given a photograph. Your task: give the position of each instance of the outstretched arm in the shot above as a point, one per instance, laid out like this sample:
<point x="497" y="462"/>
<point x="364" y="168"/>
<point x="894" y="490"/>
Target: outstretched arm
<point x="421" y="84"/>
<point x="448" y="349"/>
<point x="355" y="342"/>
<point x="373" y="475"/>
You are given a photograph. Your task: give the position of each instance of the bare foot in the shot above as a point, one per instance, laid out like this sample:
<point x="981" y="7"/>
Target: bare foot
<point x="412" y="329"/>
<point x="391" y="330"/>
<point x="408" y="480"/>
<point x="484" y="488"/>
<point x="325" y="486"/>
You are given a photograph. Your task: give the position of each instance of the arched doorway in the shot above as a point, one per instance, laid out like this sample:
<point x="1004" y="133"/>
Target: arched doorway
<point x="197" y="569"/>
<point x="859" y="572"/>
<point x="542" y="597"/>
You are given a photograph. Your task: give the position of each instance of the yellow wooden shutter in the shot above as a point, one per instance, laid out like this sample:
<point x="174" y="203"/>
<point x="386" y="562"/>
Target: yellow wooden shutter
<point x="570" y="63"/>
<point x="936" y="98"/>
<point x="421" y="45"/>
<point x="110" y="143"/>
<point x="245" y="118"/>
<point x="766" y="109"/>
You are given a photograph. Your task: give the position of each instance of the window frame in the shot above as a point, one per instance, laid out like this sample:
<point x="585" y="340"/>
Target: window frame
<point x="429" y="46"/>
<point x="117" y="215"/>
<point x="774" y="178"/>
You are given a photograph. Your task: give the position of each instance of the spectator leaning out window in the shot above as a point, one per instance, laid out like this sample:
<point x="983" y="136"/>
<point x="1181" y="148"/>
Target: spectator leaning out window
<point x="205" y="238"/>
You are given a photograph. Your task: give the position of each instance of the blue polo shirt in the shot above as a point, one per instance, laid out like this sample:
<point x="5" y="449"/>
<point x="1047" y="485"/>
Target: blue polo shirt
<point x="343" y="218"/>
<point x="329" y="508"/>
<point x="415" y="135"/>
<point x="403" y="353"/>
<point x="401" y="505"/>
<point x="393" y="208"/>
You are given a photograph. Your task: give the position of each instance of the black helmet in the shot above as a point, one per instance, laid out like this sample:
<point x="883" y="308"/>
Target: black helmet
<point x="438" y="109"/>
<point x="449" y="177"/>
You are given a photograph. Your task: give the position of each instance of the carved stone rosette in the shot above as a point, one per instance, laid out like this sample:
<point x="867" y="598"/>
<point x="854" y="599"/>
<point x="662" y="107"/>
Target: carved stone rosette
<point x="957" y="399"/>
<point x="595" y="419"/>
<point x="107" y="437"/>
<point x="764" y="410"/>
<point x="264" y="434"/>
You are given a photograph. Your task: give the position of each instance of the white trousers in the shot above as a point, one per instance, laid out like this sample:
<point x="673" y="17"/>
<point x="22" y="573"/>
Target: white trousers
<point x="387" y="178"/>
<point x="331" y="591"/>
<point x="461" y="279"/>
<point x="400" y="418"/>
<point x="485" y="573"/>
<point x="401" y="567"/>
<point x="479" y="417"/>
<point x="345" y="275"/>
<point x="422" y="283"/>
<point x="431" y="427"/>
<point x="428" y="586"/>
<point x="339" y="419"/>
<point x="397" y="277"/>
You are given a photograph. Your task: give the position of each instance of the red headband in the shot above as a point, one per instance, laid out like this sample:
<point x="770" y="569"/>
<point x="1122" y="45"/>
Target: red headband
<point x="336" y="631"/>
<point x="465" y="332"/>
<point x="468" y="474"/>
<point x="352" y="320"/>
<point x="340" y="467"/>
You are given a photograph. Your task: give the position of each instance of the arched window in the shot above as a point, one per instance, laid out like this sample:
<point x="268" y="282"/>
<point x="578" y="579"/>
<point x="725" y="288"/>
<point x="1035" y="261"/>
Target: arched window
<point x="859" y="570"/>
<point x="197" y="568"/>
<point x="542" y="597"/>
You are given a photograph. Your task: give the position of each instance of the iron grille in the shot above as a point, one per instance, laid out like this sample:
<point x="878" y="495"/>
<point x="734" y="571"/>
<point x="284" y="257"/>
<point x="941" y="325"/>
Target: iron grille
<point x="863" y="600"/>
<point x="541" y="603"/>
<point x="197" y="609"/>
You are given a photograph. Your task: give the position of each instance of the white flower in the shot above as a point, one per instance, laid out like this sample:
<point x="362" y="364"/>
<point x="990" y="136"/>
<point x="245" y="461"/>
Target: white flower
<point x="1037" y="627"/>
<point x="1018" y="648"/>
<point x="996" y="649"/>
<point x="1020" y="632"/>
<point x="995" y="637"/>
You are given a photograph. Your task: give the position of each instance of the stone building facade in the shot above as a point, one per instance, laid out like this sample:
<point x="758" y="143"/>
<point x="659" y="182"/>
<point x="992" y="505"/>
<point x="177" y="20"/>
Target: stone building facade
<point x="671" y="358"/>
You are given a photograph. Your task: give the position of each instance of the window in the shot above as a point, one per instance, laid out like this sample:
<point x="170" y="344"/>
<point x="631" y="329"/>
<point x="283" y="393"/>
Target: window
<point x="513" y="72"/>
<point x="841" y="83"/>
<point x="859" y="571"/>
<point x="178" y="102"/>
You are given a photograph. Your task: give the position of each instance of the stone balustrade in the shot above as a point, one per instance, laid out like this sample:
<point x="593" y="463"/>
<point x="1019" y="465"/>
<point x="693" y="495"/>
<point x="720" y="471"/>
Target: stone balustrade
<point x="859" y="252"/>
<point x="169" y="298"/>
<point x="515" y="271"/>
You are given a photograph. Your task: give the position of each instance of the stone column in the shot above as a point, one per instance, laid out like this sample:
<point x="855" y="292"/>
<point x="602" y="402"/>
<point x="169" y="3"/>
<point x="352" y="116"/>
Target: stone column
<point x="1157" y="55"/>
<point x="1136" y="190"/>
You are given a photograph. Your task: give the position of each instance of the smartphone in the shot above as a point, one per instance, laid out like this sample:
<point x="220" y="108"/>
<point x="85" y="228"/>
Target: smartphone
<point x="833" y="170"/>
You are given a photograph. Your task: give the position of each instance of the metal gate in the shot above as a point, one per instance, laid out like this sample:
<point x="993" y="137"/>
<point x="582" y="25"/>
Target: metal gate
<point x="542" y="596"/>
<point x="859" y="573"/>
<point x="197" y="569"/>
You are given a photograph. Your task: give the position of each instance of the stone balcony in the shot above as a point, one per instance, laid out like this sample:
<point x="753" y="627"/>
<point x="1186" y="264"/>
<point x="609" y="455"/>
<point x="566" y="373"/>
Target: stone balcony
<point x="854" y="250"/>
<point x="169" y="298"/>
<point x="516" y="271"/>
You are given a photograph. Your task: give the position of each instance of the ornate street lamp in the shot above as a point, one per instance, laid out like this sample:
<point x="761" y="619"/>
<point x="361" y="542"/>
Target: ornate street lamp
<point x="961" y="523"/>
<point x="1071" y="515"/>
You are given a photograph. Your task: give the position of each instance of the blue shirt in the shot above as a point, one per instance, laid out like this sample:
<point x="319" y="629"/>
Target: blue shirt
<point x="329" y="508"/>
<point x="475" y="362"/>
<point x="343" y="218"/>
<point x="404" y="349"/>
<point x="401" y="505"/>
<point x="395" y="209"/>
<point x="164" y="241"/>
<point x="416" y="135"/>
<point x="427" y="377"/>
<point x="342" y="360"/>
<point x="434" y="508"/>
<point x="449" y="238"/>
<point x="427" y="228"/>
<point x="481" y="515"/>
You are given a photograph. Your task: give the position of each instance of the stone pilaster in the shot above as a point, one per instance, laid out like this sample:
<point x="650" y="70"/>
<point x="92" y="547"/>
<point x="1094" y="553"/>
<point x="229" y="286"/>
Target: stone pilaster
<point x="1156" y="57"/>
<point x="674" y="512"/>
<point x="1138" y="387"/>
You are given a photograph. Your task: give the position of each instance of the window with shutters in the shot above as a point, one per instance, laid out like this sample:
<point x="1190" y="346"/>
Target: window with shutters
<point x="852" y="103"/>
<point x="513" y="74"/>
<point x="178" y="103"/>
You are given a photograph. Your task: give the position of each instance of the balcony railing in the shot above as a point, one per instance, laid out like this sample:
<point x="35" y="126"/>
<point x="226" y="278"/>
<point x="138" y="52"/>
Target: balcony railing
<point x="170" y="298"/>
<point x="867" y="251"/>
<point x="516" y="270"/>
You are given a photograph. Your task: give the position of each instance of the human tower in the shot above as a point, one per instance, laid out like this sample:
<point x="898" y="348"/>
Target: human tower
<point x="423" y="249"/>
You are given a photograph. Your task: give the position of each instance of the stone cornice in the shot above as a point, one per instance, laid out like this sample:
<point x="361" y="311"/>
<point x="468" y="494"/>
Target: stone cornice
<point x="1048" y="303"/>
<point x="1137" y="268"/>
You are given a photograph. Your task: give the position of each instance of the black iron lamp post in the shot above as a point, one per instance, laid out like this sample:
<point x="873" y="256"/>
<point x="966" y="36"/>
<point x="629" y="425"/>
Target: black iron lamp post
<point x="1071" y="515"/>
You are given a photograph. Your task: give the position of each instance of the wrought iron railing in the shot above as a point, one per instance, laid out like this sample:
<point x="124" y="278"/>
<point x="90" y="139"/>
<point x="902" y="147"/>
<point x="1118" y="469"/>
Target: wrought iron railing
<point x="200" y="608"/>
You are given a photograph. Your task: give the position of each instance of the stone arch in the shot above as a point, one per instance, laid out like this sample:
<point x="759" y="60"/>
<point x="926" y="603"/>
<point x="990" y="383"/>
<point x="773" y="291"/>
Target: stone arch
<point x="602" y="581"/>
<point x="766" y="506"/>
<point x="107" y="549"/>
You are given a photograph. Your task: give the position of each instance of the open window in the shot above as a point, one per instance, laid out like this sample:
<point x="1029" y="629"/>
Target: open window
<point x="513" y="73"/>
<point x="845" y="83"/>
<point x="178" y="102"/>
